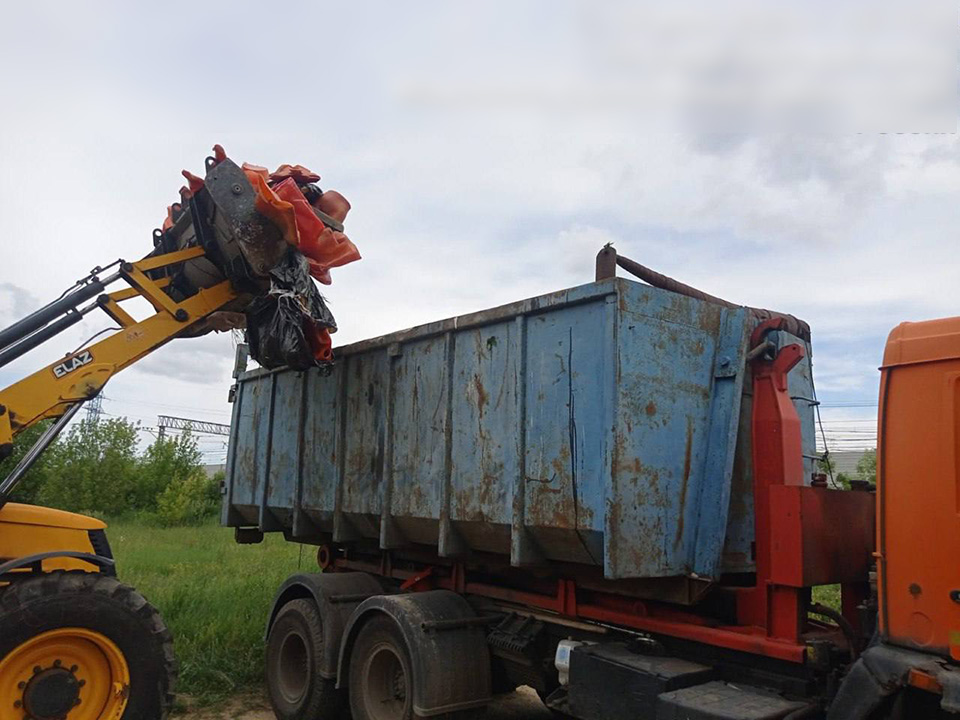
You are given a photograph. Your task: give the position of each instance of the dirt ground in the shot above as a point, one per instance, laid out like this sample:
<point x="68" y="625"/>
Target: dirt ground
<point x="521" y="705"/>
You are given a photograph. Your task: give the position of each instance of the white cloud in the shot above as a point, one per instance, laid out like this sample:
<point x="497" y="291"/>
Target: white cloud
<point x="15" y="303"/>
<point x="452" y="212"/>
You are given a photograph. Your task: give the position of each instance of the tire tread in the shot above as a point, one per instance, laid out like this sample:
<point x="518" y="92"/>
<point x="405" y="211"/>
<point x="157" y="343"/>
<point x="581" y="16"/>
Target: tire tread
<point x="17" y="596"/>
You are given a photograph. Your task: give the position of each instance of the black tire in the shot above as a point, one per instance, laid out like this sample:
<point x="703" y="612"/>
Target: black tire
<point x="381" y="680"/>
<point x="294" y="684"/>
<point x="102" y="604"/>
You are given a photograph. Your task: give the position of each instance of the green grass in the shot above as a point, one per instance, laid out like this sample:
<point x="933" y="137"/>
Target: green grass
<point x="213" y="594"/>
<point x="828" y="595"/>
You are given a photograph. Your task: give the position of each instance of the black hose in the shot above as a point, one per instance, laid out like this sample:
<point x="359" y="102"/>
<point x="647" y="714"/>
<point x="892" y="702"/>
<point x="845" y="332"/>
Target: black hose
<point x="848" y="630"/>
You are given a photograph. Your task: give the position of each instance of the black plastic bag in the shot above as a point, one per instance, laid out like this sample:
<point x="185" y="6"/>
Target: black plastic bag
<point x="281" y="323"/>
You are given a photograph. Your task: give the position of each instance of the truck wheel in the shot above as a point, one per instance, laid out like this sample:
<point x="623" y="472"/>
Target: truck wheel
<point x="294" y="646"/>
<point x="381" y="681"/>
<point x="380" y="677"/>
<point x="78" y="644"/>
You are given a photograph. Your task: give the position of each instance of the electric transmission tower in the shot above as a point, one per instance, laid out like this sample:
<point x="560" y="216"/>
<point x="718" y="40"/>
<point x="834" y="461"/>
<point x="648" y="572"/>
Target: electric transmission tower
<point x="95" y="408"/>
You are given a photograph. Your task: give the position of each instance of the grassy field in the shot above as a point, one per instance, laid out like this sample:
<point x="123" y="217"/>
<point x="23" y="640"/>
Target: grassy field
<point x="213" y="594"/>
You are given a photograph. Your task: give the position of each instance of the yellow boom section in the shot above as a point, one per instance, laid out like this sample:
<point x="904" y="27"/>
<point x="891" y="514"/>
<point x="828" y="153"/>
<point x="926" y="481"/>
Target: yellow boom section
<point x="50" y="392"/>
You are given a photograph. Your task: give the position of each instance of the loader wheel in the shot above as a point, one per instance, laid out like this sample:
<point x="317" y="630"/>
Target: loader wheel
<point x="82" y="646"/>
<point x="297" y="690"/>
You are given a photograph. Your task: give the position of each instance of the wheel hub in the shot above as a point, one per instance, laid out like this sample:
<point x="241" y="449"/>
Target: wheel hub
<point x="399" y="684"/>
<point x="70" y="673"/>
<point x="51" y="694"/>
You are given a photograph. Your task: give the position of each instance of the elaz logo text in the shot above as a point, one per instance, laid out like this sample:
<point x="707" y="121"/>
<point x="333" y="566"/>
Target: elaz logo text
<point x="74" y="363"/>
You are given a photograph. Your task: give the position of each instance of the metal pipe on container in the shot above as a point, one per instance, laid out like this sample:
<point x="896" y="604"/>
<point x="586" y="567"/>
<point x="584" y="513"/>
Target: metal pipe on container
<point x="608" y="259"/>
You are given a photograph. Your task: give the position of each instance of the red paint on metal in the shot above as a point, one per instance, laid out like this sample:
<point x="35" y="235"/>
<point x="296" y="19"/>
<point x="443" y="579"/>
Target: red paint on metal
<point x="820" y="536"/>
<point x="415" y="582"/>
<point x="777" y="460"/>
<point x="603" y="607"/>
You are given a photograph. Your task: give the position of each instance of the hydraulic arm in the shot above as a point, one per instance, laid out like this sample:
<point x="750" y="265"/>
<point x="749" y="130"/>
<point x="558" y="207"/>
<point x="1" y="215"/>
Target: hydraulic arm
<point x="57" y="390"/>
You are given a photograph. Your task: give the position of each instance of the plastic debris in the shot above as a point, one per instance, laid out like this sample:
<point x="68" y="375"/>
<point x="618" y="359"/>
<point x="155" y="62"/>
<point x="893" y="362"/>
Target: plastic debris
<point x="290" y="323"/>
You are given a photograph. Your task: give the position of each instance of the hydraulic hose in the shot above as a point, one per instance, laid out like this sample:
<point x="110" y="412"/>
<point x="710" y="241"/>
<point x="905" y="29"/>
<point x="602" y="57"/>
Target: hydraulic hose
<point x="44" y="315"/>
<point x="848" y="630"/>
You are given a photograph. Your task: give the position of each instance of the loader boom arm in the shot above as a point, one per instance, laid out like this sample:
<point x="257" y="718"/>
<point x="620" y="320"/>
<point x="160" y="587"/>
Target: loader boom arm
<point x="54" y="390"/>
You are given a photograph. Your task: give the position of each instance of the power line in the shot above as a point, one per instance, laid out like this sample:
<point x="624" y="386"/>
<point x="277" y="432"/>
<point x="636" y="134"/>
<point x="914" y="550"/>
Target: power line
<point x="849" y="405"/>
<point x="151" y="403"/>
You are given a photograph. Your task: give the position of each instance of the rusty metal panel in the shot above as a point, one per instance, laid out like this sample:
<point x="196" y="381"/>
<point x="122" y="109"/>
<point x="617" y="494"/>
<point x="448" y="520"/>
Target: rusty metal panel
<point x="418" y="422"/>
<point x="666" y="382"/>
<point x="364" y="440"/>
<point x="484" y="449"/>
<point x="319" y="453"/>
<point x="249" y="453"/>
<point x="569" y="383"/>
<point x="821" y="536"/>
<point x="284" y="446"/>
<point x="602" y="425"/>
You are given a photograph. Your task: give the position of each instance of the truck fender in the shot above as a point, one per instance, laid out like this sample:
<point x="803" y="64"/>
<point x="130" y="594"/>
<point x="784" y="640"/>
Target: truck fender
<point x="336" y="596"/>
<point x="450" y="662"/>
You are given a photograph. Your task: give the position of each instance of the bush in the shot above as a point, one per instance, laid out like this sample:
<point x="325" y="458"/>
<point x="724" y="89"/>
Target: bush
<point x="166" y="463"/>
<point x="190" y="499"/>
<point x="93" y="468"/>
<point x="867" y="467"/>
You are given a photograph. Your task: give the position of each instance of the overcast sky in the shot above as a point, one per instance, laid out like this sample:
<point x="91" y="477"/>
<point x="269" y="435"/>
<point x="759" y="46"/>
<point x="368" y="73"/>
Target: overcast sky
<point x="455" y="207"/>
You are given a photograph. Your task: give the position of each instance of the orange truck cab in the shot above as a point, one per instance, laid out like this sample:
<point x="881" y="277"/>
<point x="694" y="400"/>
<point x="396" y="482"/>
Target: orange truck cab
<point x="918" y="527"/>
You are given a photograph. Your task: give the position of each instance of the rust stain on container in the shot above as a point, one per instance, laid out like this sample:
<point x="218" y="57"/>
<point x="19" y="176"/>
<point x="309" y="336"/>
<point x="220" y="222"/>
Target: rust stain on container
<point x="686" y="482"/>
<point x="482" y="396"/>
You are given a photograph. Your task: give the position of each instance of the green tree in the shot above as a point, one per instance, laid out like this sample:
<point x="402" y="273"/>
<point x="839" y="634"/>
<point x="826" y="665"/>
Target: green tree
<point x="191" y="499"/>
<point x="867" y="467"/>
<point x="93" y="468"/>
<point x="168" y="461"/>
<point x="28" y="490"/>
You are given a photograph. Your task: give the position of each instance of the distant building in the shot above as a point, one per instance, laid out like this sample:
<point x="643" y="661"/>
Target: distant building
<point x="212" y="470"/>
<point x="845" y="461"/>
